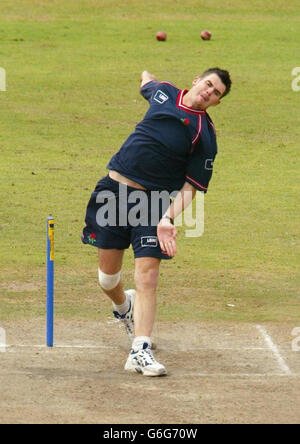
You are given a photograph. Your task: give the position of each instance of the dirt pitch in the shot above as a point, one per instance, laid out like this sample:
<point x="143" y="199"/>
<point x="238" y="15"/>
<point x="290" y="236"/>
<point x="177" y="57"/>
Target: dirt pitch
<point x="218" y="373"/>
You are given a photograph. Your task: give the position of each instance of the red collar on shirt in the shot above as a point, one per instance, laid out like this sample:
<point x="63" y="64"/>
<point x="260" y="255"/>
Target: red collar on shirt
<point x="180" y="105"/>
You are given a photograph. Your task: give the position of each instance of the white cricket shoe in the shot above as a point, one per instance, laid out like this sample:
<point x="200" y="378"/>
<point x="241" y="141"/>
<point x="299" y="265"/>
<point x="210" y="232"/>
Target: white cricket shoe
<point x="143" y="361"/>
<point x="127" y="318"/>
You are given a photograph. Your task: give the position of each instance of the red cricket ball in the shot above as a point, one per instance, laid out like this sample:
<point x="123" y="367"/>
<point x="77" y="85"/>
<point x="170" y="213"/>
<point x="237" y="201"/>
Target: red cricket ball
<point x="206" y="35"/>
<point x="161" y="36"/>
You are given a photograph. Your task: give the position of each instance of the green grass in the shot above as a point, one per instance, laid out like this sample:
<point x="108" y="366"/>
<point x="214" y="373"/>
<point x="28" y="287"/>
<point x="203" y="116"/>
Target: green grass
<point x="72" y="97"/>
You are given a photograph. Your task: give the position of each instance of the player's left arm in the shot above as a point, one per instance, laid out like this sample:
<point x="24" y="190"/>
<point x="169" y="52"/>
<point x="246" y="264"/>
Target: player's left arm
<point x="147" y="77"/>
<point x="166" y="231"/>
<point x="148" y="85"/>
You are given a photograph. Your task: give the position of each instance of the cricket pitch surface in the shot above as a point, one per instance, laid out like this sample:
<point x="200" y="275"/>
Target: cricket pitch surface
<point x="217" y="373"/>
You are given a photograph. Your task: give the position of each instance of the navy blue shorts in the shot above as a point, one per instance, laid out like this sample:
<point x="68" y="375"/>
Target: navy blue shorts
<point x="118" y="216"/>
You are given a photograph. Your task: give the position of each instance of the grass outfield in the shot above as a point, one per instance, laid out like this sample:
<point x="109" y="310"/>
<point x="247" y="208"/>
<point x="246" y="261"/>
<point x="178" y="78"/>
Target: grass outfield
<point x="72" y="72"/>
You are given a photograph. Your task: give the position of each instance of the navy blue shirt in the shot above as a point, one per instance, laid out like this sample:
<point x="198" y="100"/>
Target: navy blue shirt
<point x="172" y="145"/>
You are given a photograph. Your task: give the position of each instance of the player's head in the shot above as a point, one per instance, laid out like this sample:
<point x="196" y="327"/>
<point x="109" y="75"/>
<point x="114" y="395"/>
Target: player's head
<point x="209" y="88"/>
<point x="223" y="75"/>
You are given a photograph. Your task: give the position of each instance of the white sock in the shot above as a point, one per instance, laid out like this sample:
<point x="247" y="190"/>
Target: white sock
<point x="123" y="308"/>
<point x="139" y="342"/>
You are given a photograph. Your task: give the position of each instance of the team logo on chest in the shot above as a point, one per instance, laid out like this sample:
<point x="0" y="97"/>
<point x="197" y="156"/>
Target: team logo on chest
<point x="209" y="164"/>
<point x="160" y="97"/>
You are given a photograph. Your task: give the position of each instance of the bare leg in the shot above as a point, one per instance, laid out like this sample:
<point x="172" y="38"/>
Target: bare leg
<point x="110" y="262"/>
<point x="146" y="280"/>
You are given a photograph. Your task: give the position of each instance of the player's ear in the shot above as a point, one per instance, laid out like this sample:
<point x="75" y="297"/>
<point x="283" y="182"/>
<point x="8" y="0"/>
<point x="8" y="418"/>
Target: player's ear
<point x="196" y="80"/>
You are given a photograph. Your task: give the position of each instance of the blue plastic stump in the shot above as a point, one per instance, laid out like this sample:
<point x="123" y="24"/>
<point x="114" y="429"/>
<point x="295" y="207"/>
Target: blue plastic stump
<point x="50" y="280"/>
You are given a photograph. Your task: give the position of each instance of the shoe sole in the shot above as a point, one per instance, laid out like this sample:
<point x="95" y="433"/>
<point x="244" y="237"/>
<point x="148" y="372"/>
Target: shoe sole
<point x="145" y="372"/>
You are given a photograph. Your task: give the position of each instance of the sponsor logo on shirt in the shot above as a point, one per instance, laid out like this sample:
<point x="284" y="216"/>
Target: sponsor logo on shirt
<point x="160" y="97"/>
<point x="149" y="241"/>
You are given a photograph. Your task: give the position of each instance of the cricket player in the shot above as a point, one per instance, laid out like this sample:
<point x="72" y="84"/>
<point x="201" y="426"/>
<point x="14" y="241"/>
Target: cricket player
<point x="171" y="150"/>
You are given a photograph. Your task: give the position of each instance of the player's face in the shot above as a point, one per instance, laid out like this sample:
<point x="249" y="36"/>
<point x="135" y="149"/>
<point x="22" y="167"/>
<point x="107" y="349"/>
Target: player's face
<point x="207" y="91"/>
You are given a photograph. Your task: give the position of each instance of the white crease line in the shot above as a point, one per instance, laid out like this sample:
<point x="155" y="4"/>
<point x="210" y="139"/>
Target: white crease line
<point x="282" y="364"/>
<point x="234" y="375"/>
<point x="184" y="349"/>
<point x="108" y="347"/>
<point x="172" y="375"/>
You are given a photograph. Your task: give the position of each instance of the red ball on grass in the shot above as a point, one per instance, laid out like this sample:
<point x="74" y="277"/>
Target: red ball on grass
<point x="161" y="36"/>
<point x="206" y="35"/>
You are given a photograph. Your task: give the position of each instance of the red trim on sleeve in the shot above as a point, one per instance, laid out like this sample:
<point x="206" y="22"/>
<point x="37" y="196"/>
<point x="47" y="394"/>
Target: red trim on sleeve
<point x="196" y="183"/>
<point x="168" y="83"/>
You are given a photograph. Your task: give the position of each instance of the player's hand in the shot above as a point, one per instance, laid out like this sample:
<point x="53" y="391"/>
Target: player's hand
<point x="167" y="233"/>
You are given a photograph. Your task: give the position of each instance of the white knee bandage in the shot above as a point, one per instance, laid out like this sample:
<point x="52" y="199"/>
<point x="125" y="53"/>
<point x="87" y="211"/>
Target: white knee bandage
<point x="108" y="281"/>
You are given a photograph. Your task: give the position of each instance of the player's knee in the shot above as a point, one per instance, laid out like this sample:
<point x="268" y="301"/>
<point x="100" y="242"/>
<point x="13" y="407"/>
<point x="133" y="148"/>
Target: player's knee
<point x="147" y="279"/>
<point x="108" y="281"/>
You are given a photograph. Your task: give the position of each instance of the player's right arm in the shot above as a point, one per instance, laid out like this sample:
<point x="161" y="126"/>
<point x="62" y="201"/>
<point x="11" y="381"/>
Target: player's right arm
<point x="166" y="230"/>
